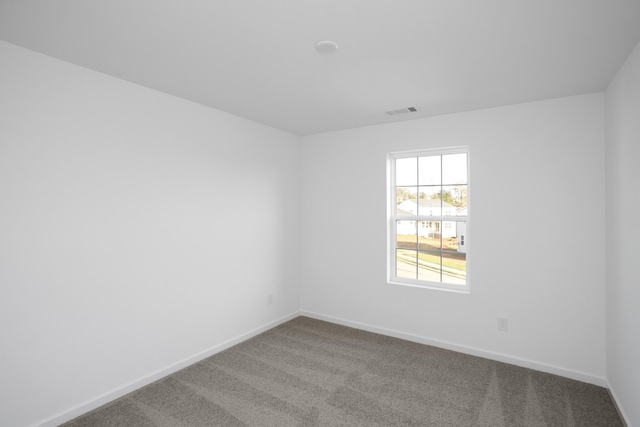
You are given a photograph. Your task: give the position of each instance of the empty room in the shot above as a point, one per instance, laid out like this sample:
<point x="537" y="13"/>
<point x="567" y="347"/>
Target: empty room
<point x="319" y="213"/>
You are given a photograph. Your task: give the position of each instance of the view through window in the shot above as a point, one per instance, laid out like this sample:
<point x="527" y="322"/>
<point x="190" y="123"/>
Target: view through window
<point x="429" y="215"/>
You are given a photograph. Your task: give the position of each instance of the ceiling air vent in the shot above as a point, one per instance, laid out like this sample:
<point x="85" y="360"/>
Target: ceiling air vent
<point x="401" y="111"/>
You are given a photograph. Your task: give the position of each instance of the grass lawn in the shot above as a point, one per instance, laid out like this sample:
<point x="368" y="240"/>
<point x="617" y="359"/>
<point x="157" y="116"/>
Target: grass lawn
<point x="457" y="264"/>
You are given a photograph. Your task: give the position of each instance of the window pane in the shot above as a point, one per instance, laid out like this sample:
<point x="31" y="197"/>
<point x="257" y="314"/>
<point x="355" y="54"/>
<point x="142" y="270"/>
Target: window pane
<point x="407" y="235"/>
<point x="449" y="236"/>
<point x="406" y="171"/>
<point x="429" y="266"/>
<point x="454" y="267"/>
<point x="429" y="192"/>
<point x="406" y="201"/>
<point x="456" y="198"/>
<point x="429" y="235"/>
<point x="406" y="264"/>
<point x="429" y="168"/>
<point x="461" y="236"/>
<point x="454" y="169"/>
<point x="453" y="236"/>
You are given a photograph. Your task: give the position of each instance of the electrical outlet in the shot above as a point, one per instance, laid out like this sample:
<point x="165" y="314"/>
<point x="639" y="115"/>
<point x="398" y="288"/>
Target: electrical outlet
<point x="270" y="299"/>
<point x="503" y="324"/>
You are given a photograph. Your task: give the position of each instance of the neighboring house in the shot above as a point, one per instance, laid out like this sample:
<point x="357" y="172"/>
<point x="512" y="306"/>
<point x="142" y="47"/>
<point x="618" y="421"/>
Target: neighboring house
<point x="435" y="207"/>
<point x="461" y="230"/>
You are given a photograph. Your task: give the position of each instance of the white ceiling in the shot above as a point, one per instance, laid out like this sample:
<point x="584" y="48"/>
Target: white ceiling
<point x="256" y="58"/>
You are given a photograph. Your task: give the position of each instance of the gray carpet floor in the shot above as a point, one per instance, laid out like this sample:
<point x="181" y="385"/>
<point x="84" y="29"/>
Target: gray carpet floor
<point x="311" y="373"/>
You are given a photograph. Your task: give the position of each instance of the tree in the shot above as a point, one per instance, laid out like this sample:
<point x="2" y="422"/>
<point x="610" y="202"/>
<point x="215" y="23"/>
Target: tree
<point x="444" y="195"/>
<point x="403" y="194"/>
<point x="457" y="196"/>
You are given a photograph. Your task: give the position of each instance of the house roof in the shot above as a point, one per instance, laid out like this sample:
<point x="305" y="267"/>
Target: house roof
<point x="402" y="212"/>
<point x="434" y="203"/>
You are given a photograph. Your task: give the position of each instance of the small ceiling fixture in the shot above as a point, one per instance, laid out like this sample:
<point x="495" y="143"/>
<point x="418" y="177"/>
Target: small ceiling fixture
<point x="326" y="46"/>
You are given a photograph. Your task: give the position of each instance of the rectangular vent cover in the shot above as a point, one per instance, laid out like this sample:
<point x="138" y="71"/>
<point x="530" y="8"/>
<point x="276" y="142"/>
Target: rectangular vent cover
<point x="401" y="111"/>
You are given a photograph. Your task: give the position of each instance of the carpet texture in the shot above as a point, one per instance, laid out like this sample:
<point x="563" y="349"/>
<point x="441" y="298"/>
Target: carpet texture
<point x="312" y="373"/>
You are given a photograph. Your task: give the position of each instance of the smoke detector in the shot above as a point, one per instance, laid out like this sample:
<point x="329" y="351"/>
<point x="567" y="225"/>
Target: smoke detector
<point x="326" y="46"/>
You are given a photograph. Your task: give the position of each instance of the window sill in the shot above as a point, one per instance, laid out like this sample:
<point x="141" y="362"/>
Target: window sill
<point x="435" y="287"/>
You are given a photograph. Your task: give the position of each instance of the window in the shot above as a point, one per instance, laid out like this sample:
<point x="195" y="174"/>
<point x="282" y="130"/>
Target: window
<point x="429" y="218"/>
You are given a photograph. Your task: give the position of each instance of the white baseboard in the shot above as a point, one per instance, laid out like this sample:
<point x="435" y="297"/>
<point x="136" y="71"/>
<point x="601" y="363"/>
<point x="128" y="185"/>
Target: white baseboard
<point x="96" y="402"/>
<point x="512" y="360"/>
<point x="616" y="403"/>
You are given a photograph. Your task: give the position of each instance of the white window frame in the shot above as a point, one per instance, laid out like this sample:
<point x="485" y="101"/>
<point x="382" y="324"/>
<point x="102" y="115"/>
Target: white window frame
<point x="392" y="217"/>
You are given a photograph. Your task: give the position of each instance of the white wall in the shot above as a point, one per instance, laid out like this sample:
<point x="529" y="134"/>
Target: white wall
<point x="536" y="234"/>
<point x="120" y="251"/>
<point x="623" y="236"/>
